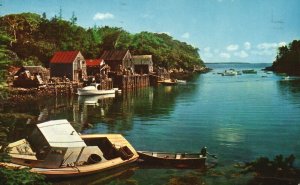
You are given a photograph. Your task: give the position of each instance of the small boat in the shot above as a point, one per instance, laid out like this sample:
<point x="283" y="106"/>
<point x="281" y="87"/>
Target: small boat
<point x="168" y="82"/>
<point x="249" y="71"/>
<point x="95" y="89"/>
<point x="178" y="160"/>
<point x="181" y="81"/>
<point x="230" y="72"/>
<point x="55" y="149"/>
<point x="286" y="78"/>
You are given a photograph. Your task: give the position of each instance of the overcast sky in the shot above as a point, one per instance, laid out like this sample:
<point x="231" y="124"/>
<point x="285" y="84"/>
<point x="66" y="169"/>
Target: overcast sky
<point x="223" y="30"/>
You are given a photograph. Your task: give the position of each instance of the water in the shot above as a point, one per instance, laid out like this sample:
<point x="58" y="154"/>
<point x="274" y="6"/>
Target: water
<point x="239" y="118"/>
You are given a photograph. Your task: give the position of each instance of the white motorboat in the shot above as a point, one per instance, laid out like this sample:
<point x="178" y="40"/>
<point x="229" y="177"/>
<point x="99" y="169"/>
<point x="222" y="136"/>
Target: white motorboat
<point x="95" y="89"/>
<point x="230" y="72"/>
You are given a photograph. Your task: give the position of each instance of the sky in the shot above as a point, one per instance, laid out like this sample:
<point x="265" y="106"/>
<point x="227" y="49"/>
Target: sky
<point x="223" y="30"/>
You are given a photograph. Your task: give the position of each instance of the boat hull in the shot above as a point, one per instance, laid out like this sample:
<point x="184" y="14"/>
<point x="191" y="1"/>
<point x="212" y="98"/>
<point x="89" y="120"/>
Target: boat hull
<point x="83" y="92"/>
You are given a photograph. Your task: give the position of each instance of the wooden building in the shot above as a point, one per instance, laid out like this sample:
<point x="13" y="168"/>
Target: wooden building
<point x="142" y="64"/>
<point x="117" y="59"/>
<point x="69" y="64"/>
<point x="33" y="71"/>
<point x="93" y="66"/>
<point x="30" y="76"/>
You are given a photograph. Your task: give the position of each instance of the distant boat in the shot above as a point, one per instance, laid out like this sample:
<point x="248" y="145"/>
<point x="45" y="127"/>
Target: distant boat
<point x="230" y="72"/>
<point x="249" y="71"/>
<point x="178" y="160"/>
<point x="95" y="89"/>
<point x="168" y="82"/>
<point x="286" y="78"/>
<point x="181" y="81"/>
<point x="55" y="149"/>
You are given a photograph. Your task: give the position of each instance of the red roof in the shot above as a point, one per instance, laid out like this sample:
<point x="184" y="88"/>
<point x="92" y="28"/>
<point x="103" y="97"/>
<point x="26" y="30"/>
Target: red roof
<point x="94" y="62"/>
<point x="64" y="57"/>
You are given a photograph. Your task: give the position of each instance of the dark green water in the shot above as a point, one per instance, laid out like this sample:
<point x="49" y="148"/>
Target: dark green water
<point x="238" y="118"/>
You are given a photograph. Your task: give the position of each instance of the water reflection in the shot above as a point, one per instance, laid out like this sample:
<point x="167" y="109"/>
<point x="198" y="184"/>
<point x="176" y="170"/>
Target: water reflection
<point x="290" y="89"/>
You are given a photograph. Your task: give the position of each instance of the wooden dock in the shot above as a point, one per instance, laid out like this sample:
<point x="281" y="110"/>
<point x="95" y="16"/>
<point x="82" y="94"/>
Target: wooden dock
<point x="131" y="82"/>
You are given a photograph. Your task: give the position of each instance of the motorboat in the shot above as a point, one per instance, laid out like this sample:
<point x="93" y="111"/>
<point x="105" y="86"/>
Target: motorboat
<point x="230" y="72"/>
<point x="55" y="149"/>
<point x="95" y="89"/>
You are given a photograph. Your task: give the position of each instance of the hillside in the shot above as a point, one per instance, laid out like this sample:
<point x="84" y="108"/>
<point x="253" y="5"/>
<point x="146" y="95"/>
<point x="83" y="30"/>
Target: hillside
<point x="31" y="39"/>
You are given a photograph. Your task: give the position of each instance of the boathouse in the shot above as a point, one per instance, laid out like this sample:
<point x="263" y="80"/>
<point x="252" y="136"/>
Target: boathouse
<point x="69" y="64"/>
<point x="117" y="60"/>
<point x="93" y="66"/>
<point x="142" y="64"/>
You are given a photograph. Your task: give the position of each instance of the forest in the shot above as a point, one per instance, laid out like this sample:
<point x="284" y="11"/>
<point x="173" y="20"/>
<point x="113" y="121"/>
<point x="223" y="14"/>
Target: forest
<point x="288" y="59"/>
<point x="31" y="39"/>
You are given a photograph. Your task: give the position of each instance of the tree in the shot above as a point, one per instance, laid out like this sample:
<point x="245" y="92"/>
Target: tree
<point x="288" y="59"/>
<point x="31" y="36"/>
<point x="73" y="19"/>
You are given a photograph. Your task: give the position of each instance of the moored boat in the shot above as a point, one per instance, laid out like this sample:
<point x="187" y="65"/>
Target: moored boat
<point x="249" y="71"/>
<point x="95" y="89"/>
<point x="230" y="72"/>
<point x="178" y="160"/>
<point x="168" y="82"/>
<point x="181" y="81"/>
<point x="55" y="149"/>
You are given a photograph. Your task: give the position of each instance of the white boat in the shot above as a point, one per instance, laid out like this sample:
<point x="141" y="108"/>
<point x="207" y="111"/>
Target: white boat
<point x="230" y="73"/>
<point x="55" y="149"/>
<point x="95" y="89"/>
<point x="181" y="81"/>
<point x="286" y="78"/>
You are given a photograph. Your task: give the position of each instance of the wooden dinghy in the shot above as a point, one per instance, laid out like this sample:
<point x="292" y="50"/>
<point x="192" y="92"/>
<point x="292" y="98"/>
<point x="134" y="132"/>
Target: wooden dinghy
<point x="178" y="160"/>
<point x="56" y="150"/>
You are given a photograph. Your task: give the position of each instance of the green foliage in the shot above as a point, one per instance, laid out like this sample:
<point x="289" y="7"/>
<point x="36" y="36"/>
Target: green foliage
<point x="34" y="39"/>
<point x="20" y="176"/>
<point x="288" y="59"/>
<point x="278" y="167"/>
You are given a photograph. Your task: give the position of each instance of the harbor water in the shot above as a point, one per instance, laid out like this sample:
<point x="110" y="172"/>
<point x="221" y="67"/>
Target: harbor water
<point x="239" y="118"/>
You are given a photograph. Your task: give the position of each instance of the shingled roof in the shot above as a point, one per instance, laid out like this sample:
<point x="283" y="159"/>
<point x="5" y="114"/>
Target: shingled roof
<point x="113" y="55"/>
<point x="64" y="57"/>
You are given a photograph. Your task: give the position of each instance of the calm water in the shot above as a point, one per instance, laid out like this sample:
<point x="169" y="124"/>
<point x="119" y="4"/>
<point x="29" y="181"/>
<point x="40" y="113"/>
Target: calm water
<point x="238" y="118"/>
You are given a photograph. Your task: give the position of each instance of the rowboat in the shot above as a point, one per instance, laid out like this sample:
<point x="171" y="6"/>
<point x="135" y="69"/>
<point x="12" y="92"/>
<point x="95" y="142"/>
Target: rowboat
<point x="249" y="71"/>
<point x="178" y="160"/>
<point x="55" y="149"/>
<point x="95" y="89"/>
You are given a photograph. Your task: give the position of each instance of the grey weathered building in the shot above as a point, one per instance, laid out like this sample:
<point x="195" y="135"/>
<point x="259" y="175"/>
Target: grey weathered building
<point x="117" y="58"/>
<point x="142" y="64"/>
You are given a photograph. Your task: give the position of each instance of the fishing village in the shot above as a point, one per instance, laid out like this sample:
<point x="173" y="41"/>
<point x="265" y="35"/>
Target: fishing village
<point x="69" y="70"/>
<point x="138" y="93"/>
